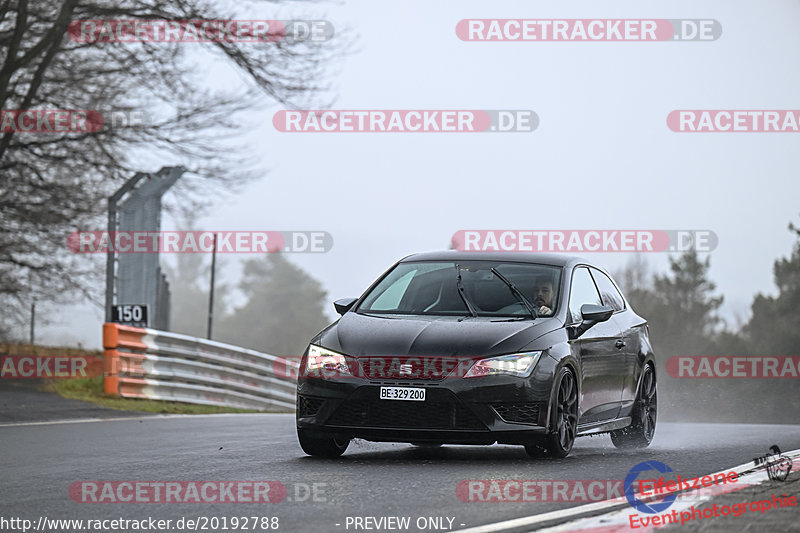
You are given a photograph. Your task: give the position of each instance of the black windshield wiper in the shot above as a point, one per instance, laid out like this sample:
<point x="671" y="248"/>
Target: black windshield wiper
<point x="460" y="286"/>
<point x="516" y="292"/>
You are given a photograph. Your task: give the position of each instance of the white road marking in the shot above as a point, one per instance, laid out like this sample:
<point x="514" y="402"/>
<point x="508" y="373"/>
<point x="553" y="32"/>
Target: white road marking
<point x="546" y="517"/>
<point x="146" y="417"/>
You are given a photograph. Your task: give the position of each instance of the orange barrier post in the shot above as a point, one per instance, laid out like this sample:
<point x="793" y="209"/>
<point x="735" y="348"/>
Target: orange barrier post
<point x="117" y="336"/>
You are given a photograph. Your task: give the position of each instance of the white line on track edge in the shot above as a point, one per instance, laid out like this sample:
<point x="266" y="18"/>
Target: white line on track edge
<point x="143" y="417"/>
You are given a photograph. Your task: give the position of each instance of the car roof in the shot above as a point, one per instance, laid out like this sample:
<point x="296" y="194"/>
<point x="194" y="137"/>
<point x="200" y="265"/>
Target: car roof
<point x="562" y="260"/>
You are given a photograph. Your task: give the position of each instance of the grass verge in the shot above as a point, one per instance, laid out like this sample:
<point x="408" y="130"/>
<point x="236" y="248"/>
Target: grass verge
<point x="91" y="390"/>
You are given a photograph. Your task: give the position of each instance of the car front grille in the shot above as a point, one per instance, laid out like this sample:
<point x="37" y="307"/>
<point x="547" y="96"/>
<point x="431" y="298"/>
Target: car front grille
<point x="310" y="406"/>
<point x="526" y="413"/>
<point x="405" y="414"/>
<point x="410" y="368"/>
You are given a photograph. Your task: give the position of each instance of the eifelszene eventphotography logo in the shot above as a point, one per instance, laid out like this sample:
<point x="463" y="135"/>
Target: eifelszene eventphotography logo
<point x="643" y="492"/>
<point x="631" y="483"/>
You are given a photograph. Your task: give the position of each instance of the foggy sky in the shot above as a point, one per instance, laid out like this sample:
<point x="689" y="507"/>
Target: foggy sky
<point x="602" y="156"/>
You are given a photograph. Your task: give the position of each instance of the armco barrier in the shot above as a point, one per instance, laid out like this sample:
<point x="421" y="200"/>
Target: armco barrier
<point x="147" y="363"/>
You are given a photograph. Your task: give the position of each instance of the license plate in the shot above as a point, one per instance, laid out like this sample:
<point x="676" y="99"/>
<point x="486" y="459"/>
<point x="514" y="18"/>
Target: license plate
<point x="403" y="393"/>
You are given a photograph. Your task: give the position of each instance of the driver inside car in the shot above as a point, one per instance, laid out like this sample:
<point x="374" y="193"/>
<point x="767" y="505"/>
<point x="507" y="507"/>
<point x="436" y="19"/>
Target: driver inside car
<point x="543" y="297"/>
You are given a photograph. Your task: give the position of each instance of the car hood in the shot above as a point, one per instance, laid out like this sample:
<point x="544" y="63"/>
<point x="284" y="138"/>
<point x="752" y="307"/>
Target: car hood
<point x="368" y="335"/>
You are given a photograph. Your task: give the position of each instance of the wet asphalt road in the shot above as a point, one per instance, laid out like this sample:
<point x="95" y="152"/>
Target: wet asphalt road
<point x="40" y="462"/>
<point x="26" y="402"/>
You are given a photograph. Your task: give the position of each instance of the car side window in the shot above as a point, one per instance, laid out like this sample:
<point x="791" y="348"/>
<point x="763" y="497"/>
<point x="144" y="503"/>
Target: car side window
<point x="608" y="292"/>
<point x="583" y="291"/>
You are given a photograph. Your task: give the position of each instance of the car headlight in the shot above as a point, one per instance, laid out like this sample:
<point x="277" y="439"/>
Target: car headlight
<point x="330" y="363"/>
<point x="518" y="364"/>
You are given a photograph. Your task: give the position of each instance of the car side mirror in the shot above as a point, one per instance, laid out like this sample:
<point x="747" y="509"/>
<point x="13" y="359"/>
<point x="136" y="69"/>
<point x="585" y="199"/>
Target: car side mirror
<point x="596" y="313"/>
<point x="591" y="314"/>
<point x="344" y="305"/>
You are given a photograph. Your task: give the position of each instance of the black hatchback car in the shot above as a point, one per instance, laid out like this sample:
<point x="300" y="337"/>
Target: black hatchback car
<point x="477" y="348"/>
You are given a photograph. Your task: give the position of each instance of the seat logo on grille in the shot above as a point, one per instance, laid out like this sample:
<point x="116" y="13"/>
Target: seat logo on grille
<point x="406" y="369"/>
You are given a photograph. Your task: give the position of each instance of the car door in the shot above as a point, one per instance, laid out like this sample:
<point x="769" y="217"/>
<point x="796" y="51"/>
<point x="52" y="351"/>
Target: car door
<point x="601" y="376"/>
<point x="627" y="321"/>
<point x="632" y="327"/>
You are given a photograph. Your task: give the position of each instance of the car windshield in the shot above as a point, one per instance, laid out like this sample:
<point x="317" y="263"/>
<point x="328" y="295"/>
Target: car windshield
<point x="432" y="288"/>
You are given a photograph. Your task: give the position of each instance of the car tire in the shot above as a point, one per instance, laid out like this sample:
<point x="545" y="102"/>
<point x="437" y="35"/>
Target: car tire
<point x="645" y="408"/>
<point x="564" y="426"/>
<point x="321" y="444"/>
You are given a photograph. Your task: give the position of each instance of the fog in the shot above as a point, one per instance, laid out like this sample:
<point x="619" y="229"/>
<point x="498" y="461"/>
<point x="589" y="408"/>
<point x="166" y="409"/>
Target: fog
<point x="602" y="156"/>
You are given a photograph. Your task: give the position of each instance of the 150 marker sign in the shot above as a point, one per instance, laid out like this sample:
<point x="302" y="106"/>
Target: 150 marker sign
<point x="130" y="315"/>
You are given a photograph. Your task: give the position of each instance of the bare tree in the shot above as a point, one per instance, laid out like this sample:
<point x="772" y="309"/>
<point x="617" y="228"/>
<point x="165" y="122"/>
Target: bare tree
<point x="55" y="183"/>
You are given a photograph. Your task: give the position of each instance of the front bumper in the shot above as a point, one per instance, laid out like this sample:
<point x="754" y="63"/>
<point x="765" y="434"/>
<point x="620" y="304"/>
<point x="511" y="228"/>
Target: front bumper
<point x="481" y="410"/>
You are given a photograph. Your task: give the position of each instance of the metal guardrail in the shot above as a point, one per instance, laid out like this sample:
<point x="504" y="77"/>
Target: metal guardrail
<point x="147" y="363"/>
